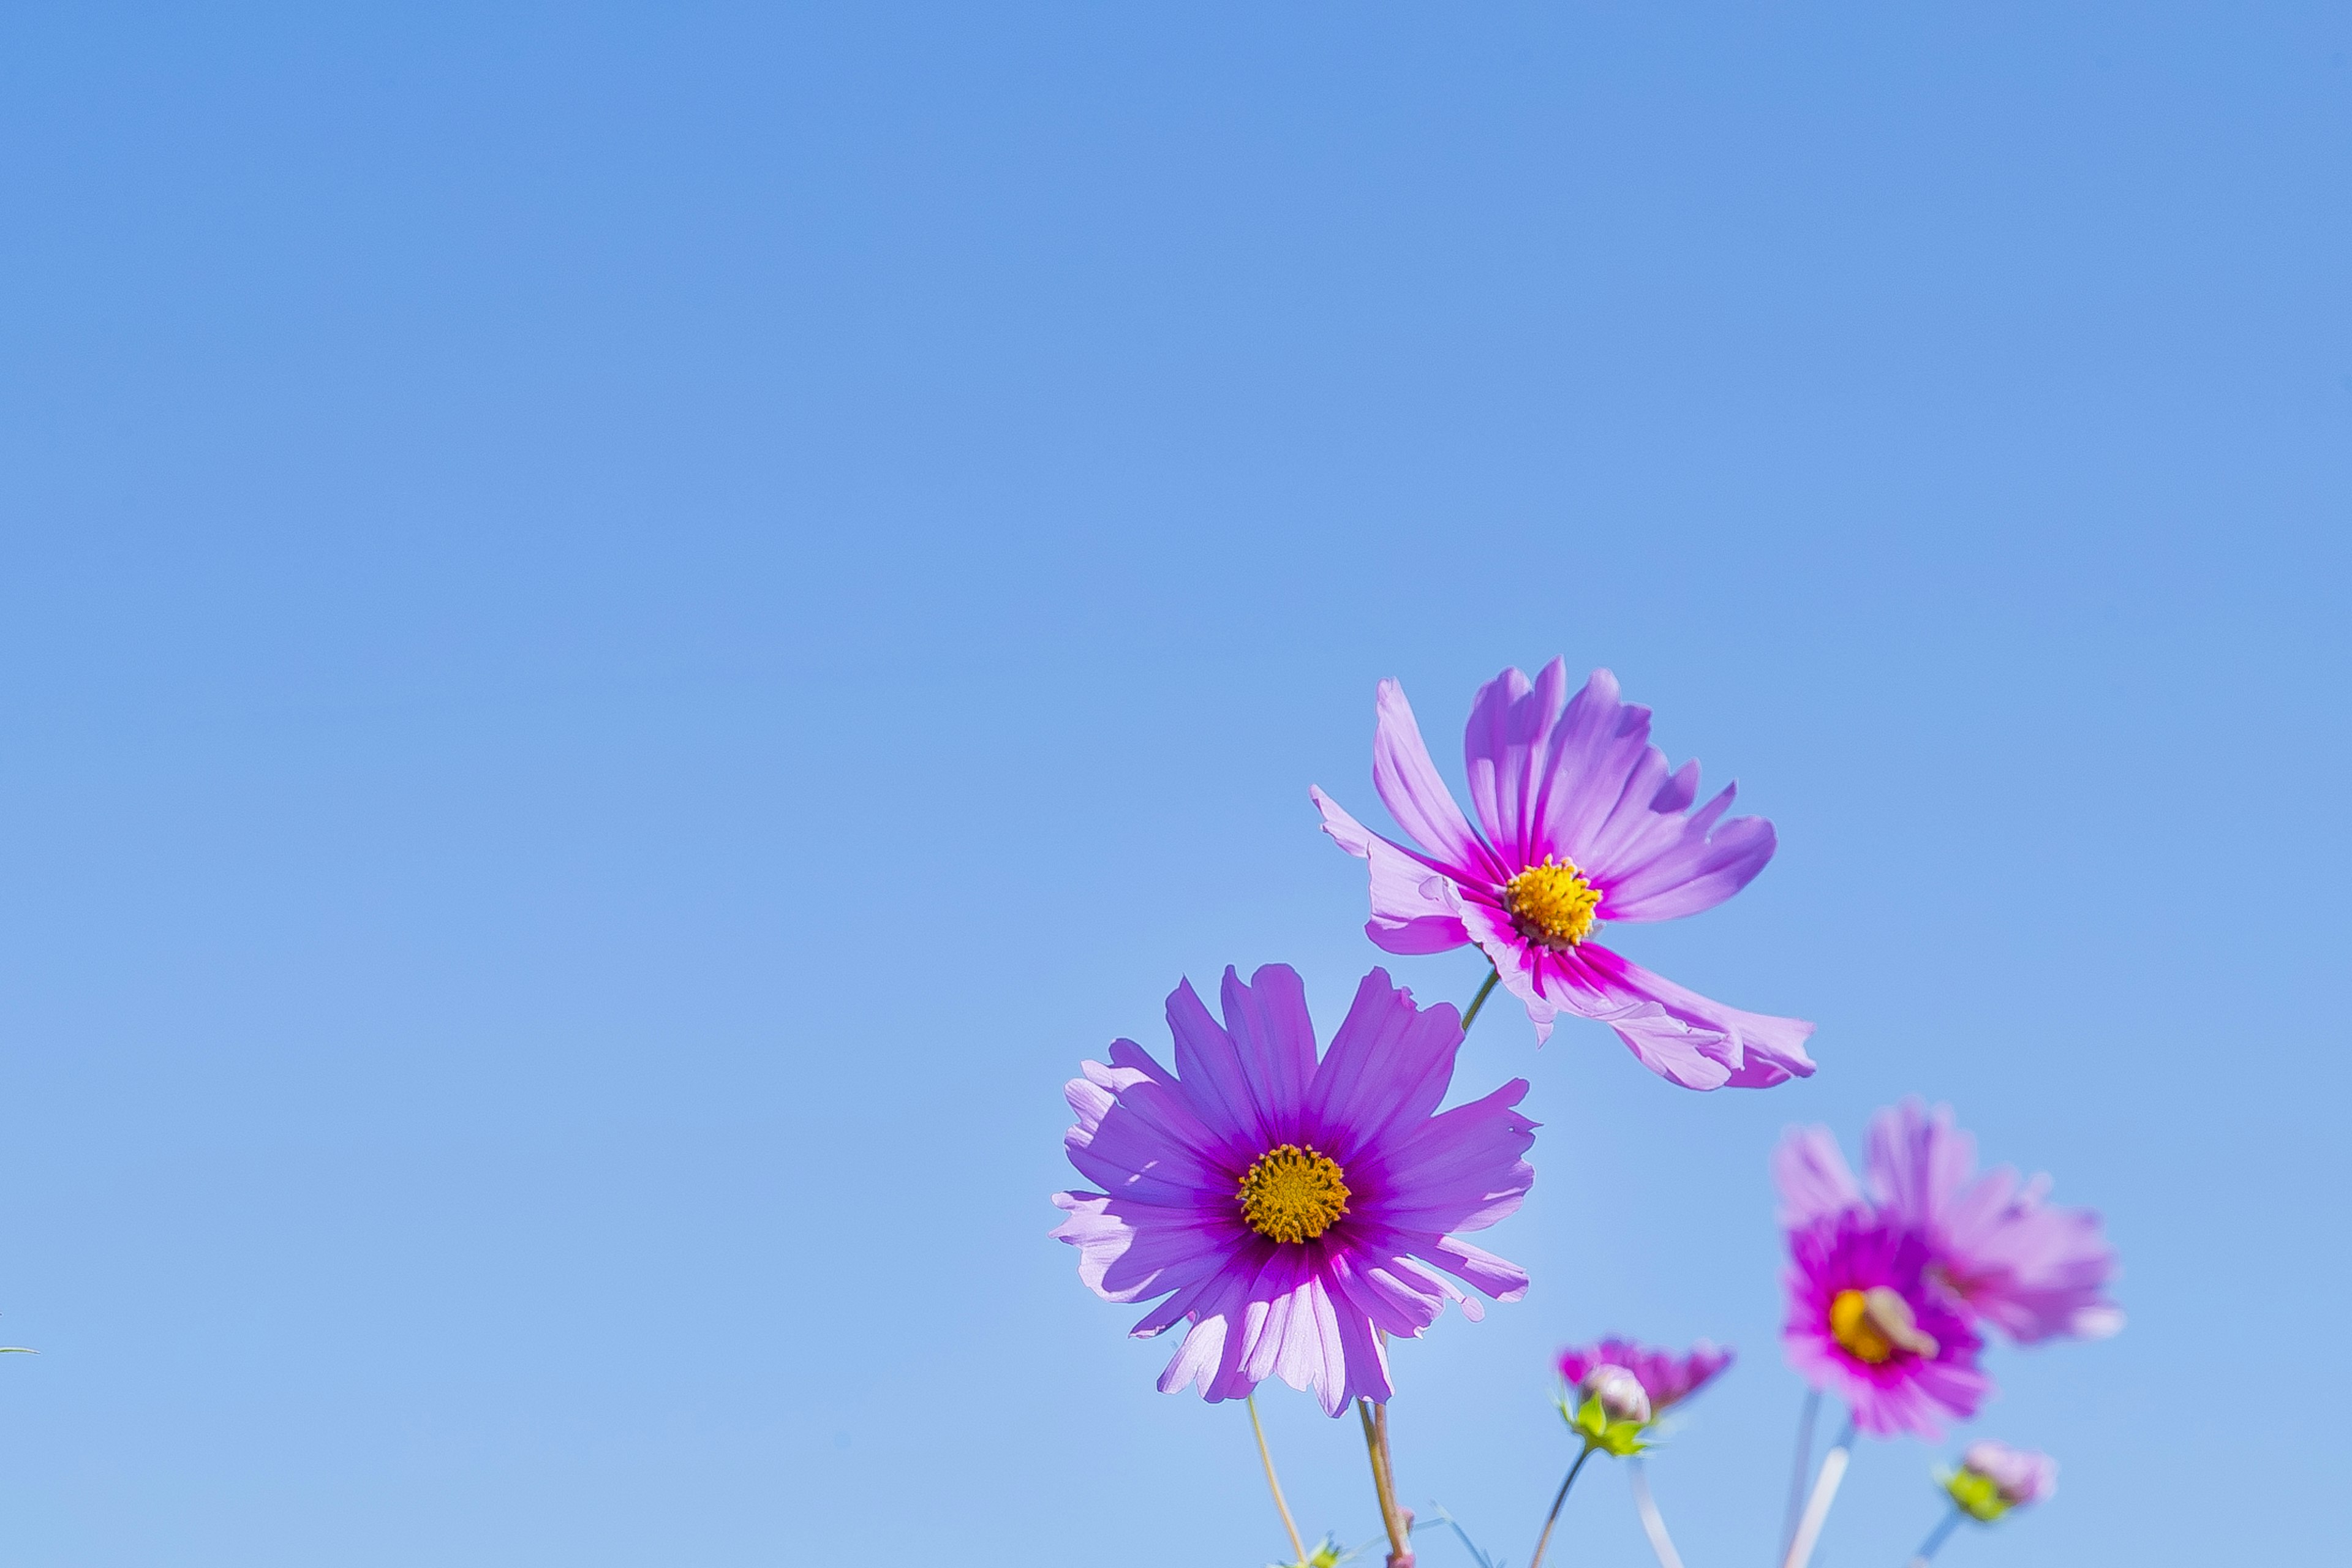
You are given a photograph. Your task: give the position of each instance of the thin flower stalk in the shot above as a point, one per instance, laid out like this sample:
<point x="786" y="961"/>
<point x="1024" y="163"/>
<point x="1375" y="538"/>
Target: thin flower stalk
<point x="1936" y="1539"/>
<point x="1653" y="1524"/>
<point x="1470" y="1015"/>
<point x="1802" y="1468"/>
<point x="1266" y="1456"/>
<point x="1558" y="1499"/>
<point x="1817" y="1507"/>
<point x="1397" y="1520"/>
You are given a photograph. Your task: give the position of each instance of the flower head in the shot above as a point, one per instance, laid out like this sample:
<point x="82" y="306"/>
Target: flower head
<point x="1667" y="1378"/>
<point x="1289" y="1209"/>
<point x="1583" y="824"/>
<point x="2031" y="1269"/>
<point x="1994" y="1478"/>
<point x="1865" y="1322"/>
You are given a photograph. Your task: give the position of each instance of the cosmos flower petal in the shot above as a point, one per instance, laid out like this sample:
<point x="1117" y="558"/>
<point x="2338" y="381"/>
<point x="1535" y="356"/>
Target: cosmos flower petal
<point x="1503" y="1280"/>
<point x="1506" y="749"/>
<point x="2031" y="1268"/>
<point x="1756" y="1049"/>
<point x="1917" y="1160"/>
<point x="1135" y="1155"/>
<point x="1127" y="1251"/>
<point x="1267" y="1022"/>
<point x="1461" y="1170"/>
<point x="1363" y="1357"/>
<point x="1214" y="1079"/>
<point x="1678" y="868"/>
<point x="1409" y="785"/>
<point x="1396" y="1298"/>
<point x="1415" y="909"/>
<point x="1810" y="1172"/>
<point x="1583" y="767"/>
<point x="1388" y="1067"/>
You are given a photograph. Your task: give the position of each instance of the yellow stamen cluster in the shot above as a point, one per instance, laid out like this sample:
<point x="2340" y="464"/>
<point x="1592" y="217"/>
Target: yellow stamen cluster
<point x="1552" y="904"/>
<point x="1874" y="1325"/>
<point x="1292" y="1194"/>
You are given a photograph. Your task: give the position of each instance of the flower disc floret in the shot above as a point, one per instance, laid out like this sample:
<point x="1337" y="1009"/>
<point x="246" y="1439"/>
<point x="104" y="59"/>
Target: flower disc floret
<point x="1552" y="904"/>
<point x="1292" y="1194"/>
<point x="1876" y="1325"/>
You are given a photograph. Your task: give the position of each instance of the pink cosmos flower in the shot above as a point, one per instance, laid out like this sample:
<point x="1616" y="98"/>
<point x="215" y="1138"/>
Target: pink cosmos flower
<point x="1865" y="1323"/>
<point x="2033" y="1270"/>
<point x="1583" y="824"/>
<point x="1291" y="1210"/>
<point x="1667" y="1378"/>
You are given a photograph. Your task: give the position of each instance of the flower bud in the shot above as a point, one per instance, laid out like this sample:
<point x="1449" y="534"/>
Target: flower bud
<point x="1994" y="1478"/>
<point x="1622" y="1395"/>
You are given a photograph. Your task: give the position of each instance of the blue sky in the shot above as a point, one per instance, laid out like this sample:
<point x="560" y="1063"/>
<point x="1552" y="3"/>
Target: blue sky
<point x="625" y="633"/>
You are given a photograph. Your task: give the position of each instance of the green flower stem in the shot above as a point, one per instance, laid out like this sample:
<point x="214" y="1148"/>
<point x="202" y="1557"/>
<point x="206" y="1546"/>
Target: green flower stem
<point x="1398" y="1522"/>
<point x="1553" y="1517"/>
<point x="1653" y="1524"/>
<point x="1480" y="1000"/>
<point x="1935" y="1538"/>
<point x="1266" y="1456"/>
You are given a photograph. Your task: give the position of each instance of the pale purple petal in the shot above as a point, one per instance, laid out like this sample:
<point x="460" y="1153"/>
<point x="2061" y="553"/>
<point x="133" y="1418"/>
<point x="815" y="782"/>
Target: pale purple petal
<point x="1596" y="746"/>
<point x="1267" y="1022"/>
<point x="1506" y="749"/>
<point x="1502" y="1280"/>
<point x="1417" y="798"/>
<point x="1122" y="1146"/>
<point x="1388" y="1067"/>
<point x="1815" y="1180"/>
<point x="1415" y="909"/>
<point x="1215" y="1078"/>
<point x="1127" y="1251"/>
<point x="1686" y="871"/>
<point x="2033" y="1270"/>
<point x="1756" y="1049"/>
<point x="1461" y="1170"/>
<point x="1918" y="1161"/>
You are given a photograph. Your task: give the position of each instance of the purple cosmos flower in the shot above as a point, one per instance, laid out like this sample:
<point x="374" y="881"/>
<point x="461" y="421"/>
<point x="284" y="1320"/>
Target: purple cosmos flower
<point x="1292" y="1208"/>
<point x="2018" y="1477"/>
<point x="1666" y="1377"/>
<point x="1865" y="1323"/>
<point x="2033" y="1270"/>
<point x="1583" y="824"/>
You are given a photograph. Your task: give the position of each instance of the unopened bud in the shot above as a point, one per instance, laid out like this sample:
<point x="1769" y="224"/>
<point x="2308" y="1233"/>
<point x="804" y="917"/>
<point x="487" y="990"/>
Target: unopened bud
<point x="1622" y="1395"/>
<point x="1994" y="1478"/>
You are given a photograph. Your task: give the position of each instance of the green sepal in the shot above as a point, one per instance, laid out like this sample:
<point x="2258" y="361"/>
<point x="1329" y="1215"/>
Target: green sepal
<point x="1975" y="1495"/>
<point x="1621" y="1438"/>
<point x="1588" y="1422"/>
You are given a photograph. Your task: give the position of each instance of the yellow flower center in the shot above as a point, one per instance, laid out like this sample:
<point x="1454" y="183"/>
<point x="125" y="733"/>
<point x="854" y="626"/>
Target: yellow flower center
<point x="1552" y="904"/>
<point x="1292" y="1195"/>
<point x="1874" y="1325"/>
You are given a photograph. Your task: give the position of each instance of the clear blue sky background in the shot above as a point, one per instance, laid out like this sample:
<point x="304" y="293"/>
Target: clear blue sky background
<point x="625" y="633"/>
